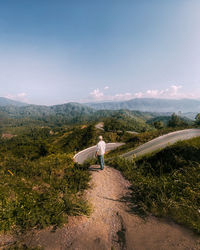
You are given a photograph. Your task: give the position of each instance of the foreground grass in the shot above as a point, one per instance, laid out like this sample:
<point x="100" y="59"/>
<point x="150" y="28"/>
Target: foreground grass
<point x="21" y="246"/>
<point x="167" y="183"/>
<point x="39" y="193"/>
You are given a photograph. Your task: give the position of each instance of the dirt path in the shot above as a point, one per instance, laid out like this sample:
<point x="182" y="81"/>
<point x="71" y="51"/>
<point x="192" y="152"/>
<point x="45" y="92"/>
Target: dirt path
<point x="111" y="225"/>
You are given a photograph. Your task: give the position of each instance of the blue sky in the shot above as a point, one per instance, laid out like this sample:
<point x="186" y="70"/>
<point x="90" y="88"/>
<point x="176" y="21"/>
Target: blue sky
<point x="55" y="51"/>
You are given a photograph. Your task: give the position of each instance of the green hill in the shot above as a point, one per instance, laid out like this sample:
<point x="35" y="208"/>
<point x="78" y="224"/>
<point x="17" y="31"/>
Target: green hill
<point x="75" y="113"/>
<point x="40" y="183"/>
<point x="167" y="183"/>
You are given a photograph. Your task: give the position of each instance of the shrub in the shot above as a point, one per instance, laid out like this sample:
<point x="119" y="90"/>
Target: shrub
<point x="167" y="183"/>
<point x="42" y="192"/>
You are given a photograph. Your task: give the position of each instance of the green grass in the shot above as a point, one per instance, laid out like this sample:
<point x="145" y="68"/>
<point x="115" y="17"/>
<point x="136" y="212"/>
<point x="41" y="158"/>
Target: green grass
<point x="167" y="183"/>
<point x="36" y="194"/>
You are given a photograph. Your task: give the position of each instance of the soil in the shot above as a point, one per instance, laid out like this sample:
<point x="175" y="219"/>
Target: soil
<point x="112" y="225"/>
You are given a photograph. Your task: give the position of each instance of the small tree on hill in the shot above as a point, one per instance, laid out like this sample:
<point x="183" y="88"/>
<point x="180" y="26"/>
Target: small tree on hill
<point x="197" y="118"/>
<point x="175" y="121"/>
<point x="158" y="124"/>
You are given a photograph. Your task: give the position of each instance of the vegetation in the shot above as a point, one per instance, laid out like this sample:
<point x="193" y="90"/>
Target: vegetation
<point x="176" y="121"/>
<point x="170" y="120"/>
<point x="21" y="246"/>
<point x="125" y="121"/>
<point x="197" y="118"/>
<point x="167" y="183"/>
<point x="40" y="184"/>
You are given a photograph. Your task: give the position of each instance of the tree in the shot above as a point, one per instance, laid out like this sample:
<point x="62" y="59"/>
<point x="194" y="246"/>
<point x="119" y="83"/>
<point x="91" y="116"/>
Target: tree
<point x="197" y="118"/>
<point x="158" y="124"/>
<point x="175" y="121"/>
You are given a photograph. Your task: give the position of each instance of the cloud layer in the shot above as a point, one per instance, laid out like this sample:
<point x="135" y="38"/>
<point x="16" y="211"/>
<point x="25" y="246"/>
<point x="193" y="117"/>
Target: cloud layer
<point x="173" y="92"/>
<point x="22" y="97"/>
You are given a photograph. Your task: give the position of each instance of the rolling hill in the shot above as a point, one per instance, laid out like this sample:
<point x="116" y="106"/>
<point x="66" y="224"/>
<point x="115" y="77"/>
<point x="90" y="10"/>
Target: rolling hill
<point x="120" y="116"/>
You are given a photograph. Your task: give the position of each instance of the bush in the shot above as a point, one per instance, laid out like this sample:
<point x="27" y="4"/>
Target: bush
<point x="167" y="183"/>
<point x="42" y="192"/>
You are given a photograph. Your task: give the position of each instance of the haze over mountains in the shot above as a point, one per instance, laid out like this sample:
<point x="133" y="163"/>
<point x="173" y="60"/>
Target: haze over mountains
<point x="188" y="107"/>
<point x="5" y="101"/>
<point x="151" y="105"/>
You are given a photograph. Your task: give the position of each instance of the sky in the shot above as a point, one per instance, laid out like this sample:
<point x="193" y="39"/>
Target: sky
<point x="56" y="51"/>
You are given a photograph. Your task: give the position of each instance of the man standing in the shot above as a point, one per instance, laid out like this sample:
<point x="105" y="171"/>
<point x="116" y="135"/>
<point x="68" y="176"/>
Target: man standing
<point x="101" y="148"/>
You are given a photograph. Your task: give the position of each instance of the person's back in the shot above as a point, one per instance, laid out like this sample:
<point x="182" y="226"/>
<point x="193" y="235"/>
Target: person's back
<point x="101" y="148"/>
<point x="100" y="151"/>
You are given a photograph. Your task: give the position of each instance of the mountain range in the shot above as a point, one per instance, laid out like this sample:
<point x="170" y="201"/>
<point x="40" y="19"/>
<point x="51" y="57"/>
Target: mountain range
<point x="185" y="107"/>
<point x="151" y="105"/>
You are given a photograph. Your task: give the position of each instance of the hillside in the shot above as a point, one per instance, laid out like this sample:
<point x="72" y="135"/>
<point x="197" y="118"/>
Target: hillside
<point x="151" y="105"/>
<point x="41" y="184"/>
<point x="123" y="114"/>
<point x="165" y="120"/>
<point x="167" y="183"/>
<point x="74" y="113"/>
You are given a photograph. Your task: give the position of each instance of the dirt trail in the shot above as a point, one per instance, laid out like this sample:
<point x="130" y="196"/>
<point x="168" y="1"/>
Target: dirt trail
<point x="111" y="225"/>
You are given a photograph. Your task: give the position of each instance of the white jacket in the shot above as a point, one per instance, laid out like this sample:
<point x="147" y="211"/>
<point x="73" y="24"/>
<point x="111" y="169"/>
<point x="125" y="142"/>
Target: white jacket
<point x="101" y="148"/>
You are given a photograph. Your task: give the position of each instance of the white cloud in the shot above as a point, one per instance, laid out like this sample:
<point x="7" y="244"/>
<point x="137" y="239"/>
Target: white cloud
<point x="22" y="97"/>
<point x="106" y="87"/>
<point x="174" y="89"/>
<point x="172" y="92"/>
<point x="96" y="94"/>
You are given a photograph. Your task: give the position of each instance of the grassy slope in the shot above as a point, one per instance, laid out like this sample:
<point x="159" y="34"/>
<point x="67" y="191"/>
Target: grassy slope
<point x="41" y="156"/>
<point x="40" y="184"/>
<point x="167" y="183"/>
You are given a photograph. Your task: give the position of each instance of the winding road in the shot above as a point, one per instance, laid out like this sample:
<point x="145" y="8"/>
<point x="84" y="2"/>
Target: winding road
<point x="89" y="153"/>
<point x="153" y="145"/>
<point x="163" y="141"/>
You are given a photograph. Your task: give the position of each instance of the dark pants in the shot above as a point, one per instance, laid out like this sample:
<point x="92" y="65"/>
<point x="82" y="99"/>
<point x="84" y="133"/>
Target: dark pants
<point x="101" y="161"/>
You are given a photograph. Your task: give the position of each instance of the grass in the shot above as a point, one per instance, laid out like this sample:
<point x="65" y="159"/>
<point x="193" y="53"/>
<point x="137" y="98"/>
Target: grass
<point x="40" y="184"/>
<point x="36" y="194"/>
<point x="167" y="183"/>
<point x="21" y="246"/>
